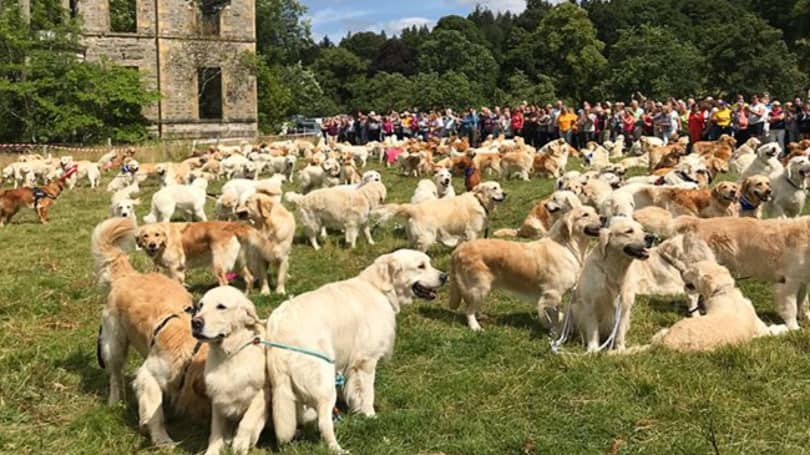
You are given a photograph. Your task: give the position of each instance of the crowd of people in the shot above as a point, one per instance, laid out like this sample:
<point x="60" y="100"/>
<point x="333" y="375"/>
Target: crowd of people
<point x="700" y="119"/>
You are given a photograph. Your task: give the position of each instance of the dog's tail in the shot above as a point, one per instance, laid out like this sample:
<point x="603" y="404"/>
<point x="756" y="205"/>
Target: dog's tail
<point x="294" y="198"/>
<point x="505" y="232"/>
<point x="385" y="212"/>
<point x="110" y="260"/>
<point x="284" y="409"/>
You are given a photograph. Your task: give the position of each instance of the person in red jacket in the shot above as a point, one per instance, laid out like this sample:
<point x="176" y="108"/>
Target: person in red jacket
<point x="695" y="124"/>
<point x="517" y="122"/>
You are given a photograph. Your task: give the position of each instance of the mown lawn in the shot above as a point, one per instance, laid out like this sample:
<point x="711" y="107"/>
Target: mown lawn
<point x="446" y="389"/>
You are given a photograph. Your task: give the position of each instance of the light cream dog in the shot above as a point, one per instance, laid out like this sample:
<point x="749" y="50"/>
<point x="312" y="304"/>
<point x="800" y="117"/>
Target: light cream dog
<point x="602" y="302"/>
<point x="540" y="272"/>
<point x="730" y="318"/>
<point x="766" y="163"/>
<point x="235" y="373"/>
<point x="790" y="189"/>
<point x="450" y="219"/>
<point x="351" y="322"/>
<point x="776" y="251"/>
<point x="342" y="208"/>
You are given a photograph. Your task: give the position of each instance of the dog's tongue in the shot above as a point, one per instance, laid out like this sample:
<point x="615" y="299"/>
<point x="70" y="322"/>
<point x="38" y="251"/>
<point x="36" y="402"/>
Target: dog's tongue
<point x="230" y="276"/>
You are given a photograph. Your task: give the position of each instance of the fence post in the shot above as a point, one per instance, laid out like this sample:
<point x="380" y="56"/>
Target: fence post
<point x="109" y="144"/>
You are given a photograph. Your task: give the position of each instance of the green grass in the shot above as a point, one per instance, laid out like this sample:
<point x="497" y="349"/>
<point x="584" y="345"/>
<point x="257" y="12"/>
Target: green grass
<point x="446" y="389"/>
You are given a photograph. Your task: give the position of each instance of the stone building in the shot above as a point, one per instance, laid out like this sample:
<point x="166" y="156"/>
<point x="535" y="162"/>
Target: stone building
<point x="195" y="53"/>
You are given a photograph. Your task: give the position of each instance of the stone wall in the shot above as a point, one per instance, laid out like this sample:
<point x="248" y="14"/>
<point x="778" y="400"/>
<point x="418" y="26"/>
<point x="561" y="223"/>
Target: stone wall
<point x="179" y="50"/>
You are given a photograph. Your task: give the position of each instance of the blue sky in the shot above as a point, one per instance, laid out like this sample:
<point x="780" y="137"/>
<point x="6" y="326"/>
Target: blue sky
<point x="336" y="17"/>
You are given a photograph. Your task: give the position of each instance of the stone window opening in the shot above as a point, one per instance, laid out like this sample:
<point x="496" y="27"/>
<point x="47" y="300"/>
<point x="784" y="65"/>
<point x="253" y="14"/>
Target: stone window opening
<point x="209" y="93"/>
<point x="209" y="12"/>
<point x="123" y="16"/>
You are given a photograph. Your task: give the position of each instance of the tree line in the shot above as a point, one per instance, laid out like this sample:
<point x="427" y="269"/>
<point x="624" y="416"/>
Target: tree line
<point x="588" y="50"/>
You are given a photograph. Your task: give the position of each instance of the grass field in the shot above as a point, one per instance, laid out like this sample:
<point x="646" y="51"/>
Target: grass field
<point x="446" y="389"/>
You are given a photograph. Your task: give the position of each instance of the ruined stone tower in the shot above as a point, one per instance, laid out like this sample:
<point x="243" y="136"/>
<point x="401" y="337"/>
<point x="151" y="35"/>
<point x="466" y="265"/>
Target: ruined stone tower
<point x="195" y="53"/>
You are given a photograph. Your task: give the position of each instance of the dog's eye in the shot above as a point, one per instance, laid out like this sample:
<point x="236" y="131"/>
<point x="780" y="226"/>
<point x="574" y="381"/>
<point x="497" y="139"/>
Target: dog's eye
<point x="422" y="266"/>
<point x="690" y="286"/>
<point x="629" y="231"/>
<point x="221" y="307"/>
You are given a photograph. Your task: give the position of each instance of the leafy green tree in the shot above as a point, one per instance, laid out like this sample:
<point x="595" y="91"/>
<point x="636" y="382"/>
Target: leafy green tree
<point x="365" y="45"/>
<point x="567" y="48"/>
<point x="336" y="68"/>
<point x="274" y="96"/>
<point x="519" y="88"/>
<point x="283" y="36"/>
<point x="466" y="27"/>
<point x="48" y="94"/>
<point x="654" y="61"/>
<point x="382" y="92"/>
<point x="530" y="18"/>
<point x="449" y="50"/>
<point x="394" y="57"/>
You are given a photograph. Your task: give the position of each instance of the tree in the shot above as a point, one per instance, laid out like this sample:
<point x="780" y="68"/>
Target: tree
<point x="530" y="18"/>
<point x="655" y="62"/>
<point x="365" y="45"/>
<point x="520" y="88"/>
<point x="394" y="57"/>
<point x="449" y="50"/>
<point x="282" y="35"/>
<point x="383" y="92"/>
<point x="466" y="27"/>
<point x="336" y="68"/>
<point x="48" y="94"/>
<point x="567" y="48"/>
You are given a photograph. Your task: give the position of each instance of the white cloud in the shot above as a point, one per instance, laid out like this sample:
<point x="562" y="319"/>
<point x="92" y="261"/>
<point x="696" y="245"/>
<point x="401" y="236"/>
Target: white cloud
<point x="396" y="26"/>
<point x="329" y="15"/>
<point x="514" y="6"/>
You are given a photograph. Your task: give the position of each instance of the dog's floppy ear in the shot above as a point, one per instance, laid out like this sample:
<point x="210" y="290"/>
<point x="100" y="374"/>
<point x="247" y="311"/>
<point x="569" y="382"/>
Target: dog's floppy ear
<point x="383" y="271"/>
<point x="138" y="239"/>
<point x="604" y="239"/>
<point x="250" y="317"/>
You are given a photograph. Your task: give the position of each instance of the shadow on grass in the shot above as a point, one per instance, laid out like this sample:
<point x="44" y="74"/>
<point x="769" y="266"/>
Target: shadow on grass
<point x="449" y="317"/>
<point x="519" y="320"/>
<point x="523" y="320"/>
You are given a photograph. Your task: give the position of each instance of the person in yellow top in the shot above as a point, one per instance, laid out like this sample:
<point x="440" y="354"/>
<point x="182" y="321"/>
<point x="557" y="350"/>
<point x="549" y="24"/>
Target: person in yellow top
<point x="721" y="121"/>
<point x="565" y="122"/>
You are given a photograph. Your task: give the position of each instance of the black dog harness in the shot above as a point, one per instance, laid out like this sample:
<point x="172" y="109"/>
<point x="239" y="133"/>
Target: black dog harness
<point x="40" y="194"/>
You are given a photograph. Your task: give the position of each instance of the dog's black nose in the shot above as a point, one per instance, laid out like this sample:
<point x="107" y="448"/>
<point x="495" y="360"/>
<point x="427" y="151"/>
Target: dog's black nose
<point x="443" y="278"/>
<point x="197" y="324"/>
<point x="603" y="219"/>
<point x="152" y="245"/>
<point x="650" y="239"/>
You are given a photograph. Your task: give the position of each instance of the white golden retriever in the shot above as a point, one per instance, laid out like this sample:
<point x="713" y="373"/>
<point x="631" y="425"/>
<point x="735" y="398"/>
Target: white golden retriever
<point x="602" y="302"/>
<point x="450" y="219"/>
<point x="352" y="322"/>
<point x="324" y="175"/>
<point x="190" y="199"/>
<point x="342" y="208"/>
<point x="766" y="163"/>
<point x="790" y="189"/>
<point x="235" y="377"/>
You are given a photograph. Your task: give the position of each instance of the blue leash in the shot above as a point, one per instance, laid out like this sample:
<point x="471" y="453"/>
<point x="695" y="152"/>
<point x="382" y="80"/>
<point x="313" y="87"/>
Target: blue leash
<point x="340" y="380"/>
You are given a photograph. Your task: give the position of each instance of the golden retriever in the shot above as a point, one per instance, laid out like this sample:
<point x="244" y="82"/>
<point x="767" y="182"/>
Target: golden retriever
<point x="353" y="324"/>
<point x="277" y="225"/>
<point x="540" y="272"/>
<point x="345" y="208"/>
<point x="754" y="191"/>
<point x="730" y="318"/>
<point x="147" y="312"/>
<point x="447" y="220"/>
<point x="775" y="250"/>
<point x="543" y="215"/>
<point x="235" y="373"/>
<point x="175" y="247"/>
<point x="602" y="301"/>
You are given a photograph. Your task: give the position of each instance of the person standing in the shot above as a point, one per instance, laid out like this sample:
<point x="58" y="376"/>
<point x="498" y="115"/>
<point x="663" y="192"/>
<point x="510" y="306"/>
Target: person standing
<point x="720" y="121"/>
<point x="565" y="124"/>
<point x="758" y="116"/>
<point x="695" y="124"/>
<point x="516" y="122"/>
<point x="776" y="121"/>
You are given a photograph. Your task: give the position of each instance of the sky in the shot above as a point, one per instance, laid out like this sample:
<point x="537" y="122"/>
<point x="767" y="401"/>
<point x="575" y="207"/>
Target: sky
<point x="336" y="17"/>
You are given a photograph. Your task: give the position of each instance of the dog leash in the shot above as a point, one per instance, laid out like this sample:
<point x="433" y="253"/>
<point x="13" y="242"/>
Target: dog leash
<point x="340" y="380"/>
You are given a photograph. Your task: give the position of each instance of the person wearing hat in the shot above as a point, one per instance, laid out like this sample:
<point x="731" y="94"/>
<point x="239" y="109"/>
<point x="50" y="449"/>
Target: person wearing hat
<point x="776" y="120"/>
